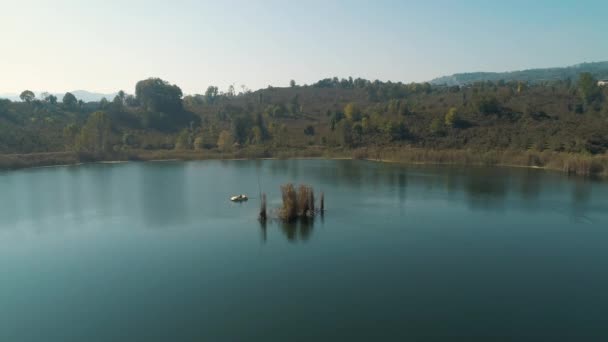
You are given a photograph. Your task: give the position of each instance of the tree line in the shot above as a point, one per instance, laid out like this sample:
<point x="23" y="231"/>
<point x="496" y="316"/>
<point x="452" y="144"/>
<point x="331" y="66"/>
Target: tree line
<point x="562" y="115"/>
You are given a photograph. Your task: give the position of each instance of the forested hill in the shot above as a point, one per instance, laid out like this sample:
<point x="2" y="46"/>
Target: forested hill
<point x="344" y="114"/>
<point x="598" y="70"/>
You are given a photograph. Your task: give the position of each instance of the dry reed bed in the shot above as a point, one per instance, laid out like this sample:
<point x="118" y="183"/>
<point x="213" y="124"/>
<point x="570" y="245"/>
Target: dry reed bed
<point x="576" y="164"/>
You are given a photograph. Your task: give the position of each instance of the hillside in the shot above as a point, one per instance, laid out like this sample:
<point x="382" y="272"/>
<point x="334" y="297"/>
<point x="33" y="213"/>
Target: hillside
<point x="330" y="115"/>
<point x="598" y="69"/>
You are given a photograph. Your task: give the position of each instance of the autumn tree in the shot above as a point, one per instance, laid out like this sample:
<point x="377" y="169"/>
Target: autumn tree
<point x="95" y="135"/>
<point x="451" y="117"/>
<point x="183" y="141"/>
<point x="199" y="143"/>
<point x="225" y="141"/>
<point x="70" y="133"/>
<point x="352" y="112"/>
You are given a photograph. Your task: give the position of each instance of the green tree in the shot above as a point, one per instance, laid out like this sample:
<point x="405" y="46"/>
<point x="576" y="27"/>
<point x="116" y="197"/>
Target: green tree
<point x="395" y="131"/>
<point x="70" y="133"/>
<point x="69" y="100"/>
<point x="52" y="99"/>
<point x="131" y="101"/>
<point x="117" y="102"/>
<point x="451" y="117"/>
<point x="292" y="83"/>
<point x="27" y="96"/>
<point x="230" y="92"/>
<point x="357" y="133"/>
<point x="103" y="103"/>
<point x="122" y="96"/>
<point x="158" y="95"/>
<point x="256" y="135"/>
<point x="294" y="104"/>
<point x="436" y="127"/>
<point x="238" y="128"/>
<point x="95" y="135"/>
<point x="488" y="105"/>
<point x="211" y="94"/>
<point x="588" y="88"/>
<point x="344" y="133"/>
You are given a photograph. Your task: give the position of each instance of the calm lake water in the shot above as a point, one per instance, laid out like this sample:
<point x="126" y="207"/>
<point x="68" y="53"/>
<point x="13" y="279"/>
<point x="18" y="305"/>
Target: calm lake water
<point x="156" y="252"/>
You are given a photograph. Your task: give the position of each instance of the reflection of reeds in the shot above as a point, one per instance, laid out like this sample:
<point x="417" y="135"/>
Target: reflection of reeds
<point x="322" y="205"/>
<point x="297" y="204"/>
<point x="263" y="215"/>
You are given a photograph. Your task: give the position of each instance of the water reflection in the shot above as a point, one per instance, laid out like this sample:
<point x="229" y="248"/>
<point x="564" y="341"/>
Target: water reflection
<point x="297" y="231"/>
<point x="166" y="195"/>
<point x="263" y="230"/>
<point x="486" y="191"/>
<point x="482" y="188"/>
<point x="581" y="195"/>
<point x="163" y="195"/>
<point x="292" y="231"/>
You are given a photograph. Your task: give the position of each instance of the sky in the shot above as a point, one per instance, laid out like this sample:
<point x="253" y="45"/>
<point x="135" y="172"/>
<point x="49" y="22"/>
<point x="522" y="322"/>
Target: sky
<point x="104" y="46"/>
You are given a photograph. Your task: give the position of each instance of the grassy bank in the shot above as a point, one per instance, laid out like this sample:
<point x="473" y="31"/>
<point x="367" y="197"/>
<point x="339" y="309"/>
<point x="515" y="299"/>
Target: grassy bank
<point x="575" y="164"/>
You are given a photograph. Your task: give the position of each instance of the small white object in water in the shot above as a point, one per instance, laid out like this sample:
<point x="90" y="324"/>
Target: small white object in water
<point x="239" y="198"/>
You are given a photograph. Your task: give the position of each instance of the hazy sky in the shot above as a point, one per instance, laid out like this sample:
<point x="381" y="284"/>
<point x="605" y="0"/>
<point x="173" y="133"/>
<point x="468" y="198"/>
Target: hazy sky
<point x="108" y="45"/>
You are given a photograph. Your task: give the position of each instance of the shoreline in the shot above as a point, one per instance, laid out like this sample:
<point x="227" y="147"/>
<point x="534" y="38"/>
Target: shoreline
<point x="571" y="164"/>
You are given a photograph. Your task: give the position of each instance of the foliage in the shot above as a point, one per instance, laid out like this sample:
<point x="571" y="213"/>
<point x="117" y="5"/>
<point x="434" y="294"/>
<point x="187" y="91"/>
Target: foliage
<point x="158" y="95"/>
<point x="69" y="100"/>
<point x="488" y="105"/>
<point x="436" y="127"/>
<point x="52" y="99"/>
<point x="27" y="96"/>
<point x="211" y="94"/>
<point x="95" y="134"/>
<point x="352" y="112"/>
<point x="183" y="141"/>
<point x="451" y="117"/>
<point x="309" y="130"/>
<point x="70" y="133"/>
<point x="225" y="141"/>
<point x="199" y="143"/>
<point x="588" y="88"/>
<point x="335" y="113"/>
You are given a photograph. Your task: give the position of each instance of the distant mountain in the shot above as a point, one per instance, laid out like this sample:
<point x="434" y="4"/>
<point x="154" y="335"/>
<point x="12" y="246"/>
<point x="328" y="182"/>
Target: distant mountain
<point x="85" y="96"/>
<point x="598" y="69"/>
<point x="88" y="96"/>
<point x="12" y="97"/>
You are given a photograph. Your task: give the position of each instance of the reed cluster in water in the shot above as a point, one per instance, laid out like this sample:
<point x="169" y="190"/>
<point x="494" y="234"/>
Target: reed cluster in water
<point x="298" y="203"/>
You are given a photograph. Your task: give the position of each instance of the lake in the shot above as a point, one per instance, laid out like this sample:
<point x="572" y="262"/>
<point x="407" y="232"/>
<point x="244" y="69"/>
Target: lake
<point x="156" y="252"/>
